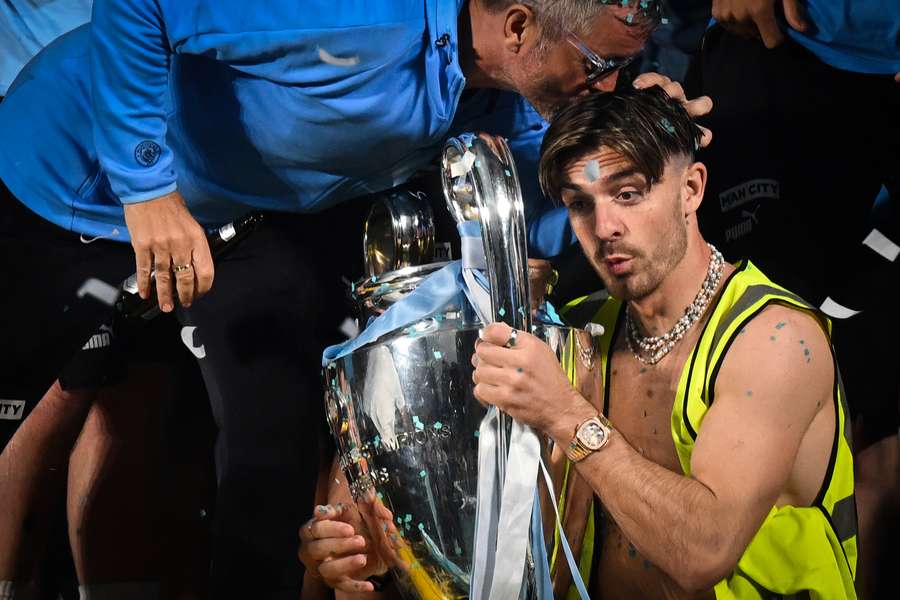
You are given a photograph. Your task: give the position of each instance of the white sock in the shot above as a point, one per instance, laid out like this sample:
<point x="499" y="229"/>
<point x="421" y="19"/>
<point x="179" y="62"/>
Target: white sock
<point x="7" y="590"/>
<point x="131" y="590"/>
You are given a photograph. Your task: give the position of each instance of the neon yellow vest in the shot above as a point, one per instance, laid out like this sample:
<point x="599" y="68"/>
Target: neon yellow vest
<point x="804" y="551"/>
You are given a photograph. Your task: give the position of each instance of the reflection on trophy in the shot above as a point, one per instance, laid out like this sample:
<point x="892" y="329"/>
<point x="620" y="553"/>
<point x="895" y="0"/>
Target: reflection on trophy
<point x="401" y="407"/>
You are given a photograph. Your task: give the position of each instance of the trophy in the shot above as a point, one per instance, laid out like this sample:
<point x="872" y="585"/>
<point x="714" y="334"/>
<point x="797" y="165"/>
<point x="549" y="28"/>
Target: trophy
<point x="401" y="407"/>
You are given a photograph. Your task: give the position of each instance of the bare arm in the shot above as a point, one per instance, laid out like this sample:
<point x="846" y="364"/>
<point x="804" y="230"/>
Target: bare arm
<point x="694" y="528"/>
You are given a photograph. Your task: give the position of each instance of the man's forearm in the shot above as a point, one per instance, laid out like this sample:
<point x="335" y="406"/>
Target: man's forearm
<point x="676" y="522"/>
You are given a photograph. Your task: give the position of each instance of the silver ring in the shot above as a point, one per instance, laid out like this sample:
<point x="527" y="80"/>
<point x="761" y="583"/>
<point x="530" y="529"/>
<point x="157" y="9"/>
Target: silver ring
<point x="511" y="342"/>
<point x="179" y="268"/>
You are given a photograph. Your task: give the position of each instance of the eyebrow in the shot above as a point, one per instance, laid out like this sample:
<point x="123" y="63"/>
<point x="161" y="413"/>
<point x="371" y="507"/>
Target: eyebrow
<point x="607" y="179"/>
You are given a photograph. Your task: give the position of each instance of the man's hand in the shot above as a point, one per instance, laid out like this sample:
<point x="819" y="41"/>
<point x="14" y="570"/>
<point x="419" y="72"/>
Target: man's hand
<point x="756" y="18"/>
<point x="696" y="107"/>
<point x="526" y="381"/>
<point x="541" y="277"/>
<point x="165" y="236"/>
<point x="331" y="548"/>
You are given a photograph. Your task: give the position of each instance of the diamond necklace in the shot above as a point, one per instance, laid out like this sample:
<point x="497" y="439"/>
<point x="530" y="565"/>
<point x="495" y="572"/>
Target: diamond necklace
<point x="651" y="349"/>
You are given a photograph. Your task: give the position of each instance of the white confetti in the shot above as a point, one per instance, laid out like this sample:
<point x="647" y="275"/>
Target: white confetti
<point x="338" y="61"/>
<point x="833" y="309"/>
<point x="595" y="329"/>
<point x="592" y="171"/>
<point x="881" y="244"/>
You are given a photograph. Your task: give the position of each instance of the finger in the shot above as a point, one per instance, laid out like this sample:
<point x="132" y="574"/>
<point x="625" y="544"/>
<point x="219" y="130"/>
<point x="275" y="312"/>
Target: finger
<point x="492" y="375"/>
<point x="163" y="264"/>
<point x="675" y="91"/>
<point x="346" y="584"/>
<point x="768" y="28"/>
<point x="333" y="570"/>
<point x="497" y="356"/>
<point x="488" y="395"/>
<point x="318" y="530"/>
<point x="699" y="106"/>
<point x="496" y="333"/>
<point x="645" y="80"/>
<point x="184" y="278"/>
<point x="795" y="15"/>
<point x="706" y="136"/>
<point x="897" y="77"/>
<point x="204" y="269"/>
<point x="144" y="266"/>
<point x="335" y="547"/>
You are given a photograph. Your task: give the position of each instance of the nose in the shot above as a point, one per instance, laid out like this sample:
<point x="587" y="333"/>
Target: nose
<point x="607" y="224"/>
<point x="606" y="84"/>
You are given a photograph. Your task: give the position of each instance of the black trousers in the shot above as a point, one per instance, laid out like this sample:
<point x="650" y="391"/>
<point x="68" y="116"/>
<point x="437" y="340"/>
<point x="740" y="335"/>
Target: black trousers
<point x="800" y="151"/>
<point x="277" y="300"/>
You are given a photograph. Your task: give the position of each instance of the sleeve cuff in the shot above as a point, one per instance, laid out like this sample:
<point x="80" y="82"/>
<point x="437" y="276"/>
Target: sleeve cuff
<point x="151" y="195"/>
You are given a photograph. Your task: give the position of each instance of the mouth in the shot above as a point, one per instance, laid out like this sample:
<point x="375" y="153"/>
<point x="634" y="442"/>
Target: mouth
<point x="618" y="264"/>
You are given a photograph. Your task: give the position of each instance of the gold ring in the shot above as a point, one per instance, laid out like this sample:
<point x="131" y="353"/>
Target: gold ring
<point x="511" y="342"/>
<point x="179" y="268"/>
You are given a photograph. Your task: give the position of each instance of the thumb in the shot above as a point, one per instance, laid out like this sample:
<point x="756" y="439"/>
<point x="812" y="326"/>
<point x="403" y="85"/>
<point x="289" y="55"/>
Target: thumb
<point x="795" y="15"/>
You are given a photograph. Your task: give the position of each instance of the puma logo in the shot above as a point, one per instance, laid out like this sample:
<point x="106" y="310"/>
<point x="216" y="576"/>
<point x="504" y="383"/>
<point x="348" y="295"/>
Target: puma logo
<point x="187" y="336"/>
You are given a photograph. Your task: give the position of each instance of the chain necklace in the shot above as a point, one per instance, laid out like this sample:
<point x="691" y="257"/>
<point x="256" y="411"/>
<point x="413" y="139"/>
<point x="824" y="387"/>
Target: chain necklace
<point x="586" y="355"/>
<point x="651" y="349"/>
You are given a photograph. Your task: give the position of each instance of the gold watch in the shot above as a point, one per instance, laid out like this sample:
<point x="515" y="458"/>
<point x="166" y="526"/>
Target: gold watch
<point x="590" y="437"/>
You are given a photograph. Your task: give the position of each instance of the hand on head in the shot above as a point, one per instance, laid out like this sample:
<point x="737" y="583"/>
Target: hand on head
<point x="695" y="108"/>
<point x="757" y="19"/>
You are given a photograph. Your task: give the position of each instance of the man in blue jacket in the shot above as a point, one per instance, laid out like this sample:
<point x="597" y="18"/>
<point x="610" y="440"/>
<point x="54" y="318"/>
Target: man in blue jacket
<point x="163" y="118"/>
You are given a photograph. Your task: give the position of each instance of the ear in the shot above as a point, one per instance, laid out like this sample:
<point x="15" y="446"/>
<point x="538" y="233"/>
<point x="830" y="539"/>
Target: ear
<point x="520" y="29"/>
<point x="693" y="184"/>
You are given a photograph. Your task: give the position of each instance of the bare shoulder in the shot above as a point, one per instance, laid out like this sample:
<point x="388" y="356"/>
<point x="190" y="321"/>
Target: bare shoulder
<point x="781" y="356"/>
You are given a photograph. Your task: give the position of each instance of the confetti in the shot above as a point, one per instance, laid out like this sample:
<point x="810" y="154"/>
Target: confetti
<point x="630" y="18"/>
<point x="407" y="518"/>
<point x="502" y="312"/>
<point x="327" y="57"/>
<point x="438" y="355"/>
<point x="438" y="425"/>
<point x="508" y="174"/>
<point x="592" y="171"/>
<point x="423" y="473"/>
<point x="477" y="433"/>
<point x="667" y="126"/>
<point x="664" y="21"/>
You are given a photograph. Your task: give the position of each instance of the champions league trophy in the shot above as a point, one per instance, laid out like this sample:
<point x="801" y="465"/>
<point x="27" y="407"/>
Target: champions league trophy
<point x="401" y="406"/>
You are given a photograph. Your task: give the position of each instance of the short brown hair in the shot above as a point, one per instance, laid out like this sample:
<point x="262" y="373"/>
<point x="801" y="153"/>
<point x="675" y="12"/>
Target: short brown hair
<point x="646" y="127"/>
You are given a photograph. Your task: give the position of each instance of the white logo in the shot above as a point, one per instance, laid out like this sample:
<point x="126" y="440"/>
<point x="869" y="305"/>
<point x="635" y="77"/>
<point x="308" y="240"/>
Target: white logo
<point x="99" y="340"/>
<point x="11" y="410"/>
<point x="739" y="230"/>
<point x="751" y="215"/>
<point x="442" y="252"/>
<point x="748" y="192"/>
<point x="187" y="336"/>
<point x="100" y="290"/>
<point x="113" y="233"/>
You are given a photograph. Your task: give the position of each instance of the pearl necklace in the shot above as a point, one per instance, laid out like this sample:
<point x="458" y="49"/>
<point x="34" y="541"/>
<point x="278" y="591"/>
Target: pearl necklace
<point x="651" y="349"/>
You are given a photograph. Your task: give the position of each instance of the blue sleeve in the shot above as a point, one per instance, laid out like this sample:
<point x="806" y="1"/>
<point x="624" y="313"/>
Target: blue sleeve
<point x="549" y="232"/>
<point x="130" y="57"/>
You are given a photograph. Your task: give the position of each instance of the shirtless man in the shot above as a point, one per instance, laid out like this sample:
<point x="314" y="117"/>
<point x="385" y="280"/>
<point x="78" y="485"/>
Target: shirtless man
<point x="740" y="487"/>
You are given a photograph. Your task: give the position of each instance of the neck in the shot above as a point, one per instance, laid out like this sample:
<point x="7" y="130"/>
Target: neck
<point x="479" y="59"/>
<point x="658" y="312"/>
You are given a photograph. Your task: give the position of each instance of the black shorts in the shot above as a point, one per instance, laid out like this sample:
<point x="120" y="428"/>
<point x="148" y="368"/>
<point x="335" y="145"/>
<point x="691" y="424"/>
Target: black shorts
<point x="58" y="292"/>
<point x="800" y="151"/>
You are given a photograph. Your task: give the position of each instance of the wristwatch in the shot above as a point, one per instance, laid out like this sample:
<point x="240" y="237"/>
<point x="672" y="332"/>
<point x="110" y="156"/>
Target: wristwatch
<point x="590" y="437"/>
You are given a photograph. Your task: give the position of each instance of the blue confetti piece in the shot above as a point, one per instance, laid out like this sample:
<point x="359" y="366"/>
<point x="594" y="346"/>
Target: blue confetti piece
<point x="624" y="2"/>
<point x="438" y="355"/>
<point x="502" y="312"/>
<point x="438" y="425"/>
<point x="477" y="433"/>
<point x="423" y="473"/>
<point x="399" y="520"/>
<point x="420" y="426"/>
<point x="630" y="18"/>
<point x="664" y="21"/>
<point x="521" y="311"/>
<point x="667" y="126"/>
<point x="377" y="441"/>
<point x="478" y="163"/>
<point x="421" y="527"/>
<point x="407" y="518"/>
<point x="508" y="174"/>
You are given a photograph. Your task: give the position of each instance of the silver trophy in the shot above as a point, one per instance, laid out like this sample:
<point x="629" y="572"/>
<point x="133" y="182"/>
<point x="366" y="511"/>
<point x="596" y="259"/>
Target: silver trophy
<point x="402" y="410"/>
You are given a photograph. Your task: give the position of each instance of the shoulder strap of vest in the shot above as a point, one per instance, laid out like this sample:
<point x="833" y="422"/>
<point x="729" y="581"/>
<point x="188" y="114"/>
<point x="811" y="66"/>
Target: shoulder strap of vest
<point x="581" y="311"/>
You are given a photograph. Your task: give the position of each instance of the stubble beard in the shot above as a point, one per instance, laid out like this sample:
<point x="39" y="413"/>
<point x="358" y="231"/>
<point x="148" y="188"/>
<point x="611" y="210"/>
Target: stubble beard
<point x="647" y="274"/>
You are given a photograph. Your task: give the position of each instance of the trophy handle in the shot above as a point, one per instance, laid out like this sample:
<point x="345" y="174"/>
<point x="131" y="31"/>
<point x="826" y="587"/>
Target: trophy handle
<point x="481" y="183"/>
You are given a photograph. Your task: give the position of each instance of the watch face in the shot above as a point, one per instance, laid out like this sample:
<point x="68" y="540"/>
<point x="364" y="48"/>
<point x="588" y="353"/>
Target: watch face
<point x="592" y="435"/>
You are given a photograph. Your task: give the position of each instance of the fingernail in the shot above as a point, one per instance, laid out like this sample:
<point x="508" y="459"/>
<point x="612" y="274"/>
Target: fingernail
<point x="167" y="307"/>
<point x="322" y="509"/>
<point x="481" y="334"/>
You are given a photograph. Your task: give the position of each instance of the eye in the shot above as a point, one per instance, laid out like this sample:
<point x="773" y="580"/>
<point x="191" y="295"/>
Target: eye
<point x="629" y="196"/>
<point x="578" y="206"/>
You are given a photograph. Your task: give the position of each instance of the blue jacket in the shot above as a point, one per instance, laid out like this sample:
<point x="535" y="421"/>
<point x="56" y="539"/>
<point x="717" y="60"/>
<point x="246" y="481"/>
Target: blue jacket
<point x="26" y="26"/>
<point x="280" y="105"/>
